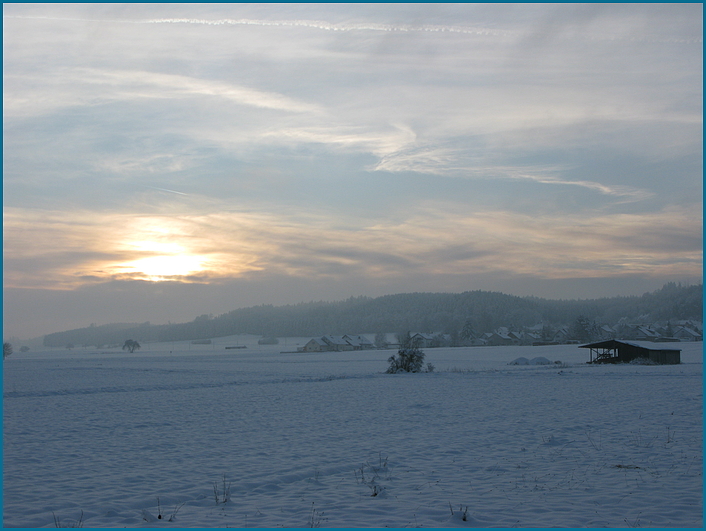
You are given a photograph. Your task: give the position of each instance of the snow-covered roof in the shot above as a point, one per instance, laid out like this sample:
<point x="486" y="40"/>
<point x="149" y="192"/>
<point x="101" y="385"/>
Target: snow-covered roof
<point x="317" y="341"/>
<point x="357" y="340"/>
<point x="649" y="345"/>
<point x="687" y="331"/>
<point x="647" y="331"/>
<point x="424" y="336"/>
<point x="335" y="340"/>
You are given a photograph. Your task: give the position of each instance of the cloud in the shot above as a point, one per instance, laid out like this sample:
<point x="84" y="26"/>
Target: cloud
<point x="70" y="87"/>
<point x="367" y="145"/>
<point x="544" y="176"/>
<point x="450" y="162"/>
<point x="283" y="23"/>
<point x="574" y="22"/>
<point x="404" y="119"/>
<point x="433" y="240"/>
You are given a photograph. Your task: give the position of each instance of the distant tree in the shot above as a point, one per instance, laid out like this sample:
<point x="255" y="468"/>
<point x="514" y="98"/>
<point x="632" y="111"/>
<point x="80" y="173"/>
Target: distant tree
<point x="24" y="348"/>
<point x="453" y="338"/>
<point x="581" y="329"/>
<point x="131" y="345"/>
<point x="409" y="359"/>
<point x="669" y="331"/>
<point x="439" y="340"/>
<point x="487" y="323"/>
<point x="380" y="340"/>
<point x="404" y="339"/>
<point x="547" y="332"/>
<point x="467" y="332"/>
<point x="6" y="350"/>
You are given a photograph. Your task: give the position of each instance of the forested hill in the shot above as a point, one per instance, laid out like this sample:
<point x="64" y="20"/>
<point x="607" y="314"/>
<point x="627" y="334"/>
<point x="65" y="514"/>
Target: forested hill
<point x="420" y="312"/>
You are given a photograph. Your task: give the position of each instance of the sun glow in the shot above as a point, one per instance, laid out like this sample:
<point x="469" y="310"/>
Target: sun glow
<point x="157" y="247"/>
<point x="164" y="267"/>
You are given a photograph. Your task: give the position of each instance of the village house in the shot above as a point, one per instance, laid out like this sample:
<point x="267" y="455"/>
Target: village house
<point x="607" y="332"/>
<point x="424" y="340"/>
<point x="687" y="334"/>
<point x="498" y="338"/>
<point x="529" y="338"/>
<point x="645" y="333"/>
<point x="315" y="345"/>
<point x="561" y="335"/>
<point x="359" y="342"/>
<point x="337" y="344"/>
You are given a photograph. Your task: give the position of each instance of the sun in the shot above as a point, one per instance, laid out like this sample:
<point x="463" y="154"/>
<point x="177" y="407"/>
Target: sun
<point x="159" y="260"/>
<point x="165" y="266"/>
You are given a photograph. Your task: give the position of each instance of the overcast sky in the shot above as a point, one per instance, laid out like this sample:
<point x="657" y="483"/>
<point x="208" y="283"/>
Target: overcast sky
<point x="162" y="161"/>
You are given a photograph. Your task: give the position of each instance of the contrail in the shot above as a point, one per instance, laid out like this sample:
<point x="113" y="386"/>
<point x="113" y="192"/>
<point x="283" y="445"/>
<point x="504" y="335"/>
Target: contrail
<point x="166" y="190"/>
<point x="322" y="25"/>
<point x="370" y="26"/>
<point x="314" y="24"/>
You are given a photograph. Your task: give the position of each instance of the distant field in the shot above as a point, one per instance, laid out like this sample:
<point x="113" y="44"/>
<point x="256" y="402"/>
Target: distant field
<point x="212" y="437"/>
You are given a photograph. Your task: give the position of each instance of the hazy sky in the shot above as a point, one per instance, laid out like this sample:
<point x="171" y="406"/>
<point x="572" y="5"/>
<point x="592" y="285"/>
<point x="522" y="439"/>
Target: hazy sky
<point x="167" y="160"/>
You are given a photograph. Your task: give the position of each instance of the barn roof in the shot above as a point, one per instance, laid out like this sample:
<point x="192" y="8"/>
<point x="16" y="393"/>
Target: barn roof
<point x="615" y="343"/>
<point x="615" y="351"/>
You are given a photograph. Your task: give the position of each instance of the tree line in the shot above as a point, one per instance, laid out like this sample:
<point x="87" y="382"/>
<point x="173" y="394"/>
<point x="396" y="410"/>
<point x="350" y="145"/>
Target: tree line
<point x="448" y="313"/>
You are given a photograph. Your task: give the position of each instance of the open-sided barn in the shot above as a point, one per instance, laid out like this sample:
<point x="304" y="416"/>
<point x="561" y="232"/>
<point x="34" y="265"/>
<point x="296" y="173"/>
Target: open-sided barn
<point x="615" y="351"/>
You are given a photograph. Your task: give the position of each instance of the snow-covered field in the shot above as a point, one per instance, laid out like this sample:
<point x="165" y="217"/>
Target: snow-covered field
<point x="329" y="440"/>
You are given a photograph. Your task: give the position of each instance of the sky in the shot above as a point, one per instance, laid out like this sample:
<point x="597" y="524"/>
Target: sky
<point x="163" y="161"/>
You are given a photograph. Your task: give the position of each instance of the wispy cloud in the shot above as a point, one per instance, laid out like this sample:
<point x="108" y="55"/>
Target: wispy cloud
<point x="116" y="85"/>
<point x="167" y="190"/>
<point x="452" y="163"/>
<point x="617" y="32"/>
<point x="433" y="240"/>
<point x="381" y="142"/>
<point x="283" y="23"/>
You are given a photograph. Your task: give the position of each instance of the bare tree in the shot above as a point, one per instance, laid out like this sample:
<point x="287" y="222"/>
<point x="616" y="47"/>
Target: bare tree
<point x="131" y="345"/>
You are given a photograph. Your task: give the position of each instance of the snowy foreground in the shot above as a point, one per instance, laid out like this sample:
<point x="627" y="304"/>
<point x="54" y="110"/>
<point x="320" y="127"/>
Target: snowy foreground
<point x="329" y="440"/>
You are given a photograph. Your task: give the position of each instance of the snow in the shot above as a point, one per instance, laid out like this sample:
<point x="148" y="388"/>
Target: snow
<point x="539" y="360"/>
<point x="328" y="440"/>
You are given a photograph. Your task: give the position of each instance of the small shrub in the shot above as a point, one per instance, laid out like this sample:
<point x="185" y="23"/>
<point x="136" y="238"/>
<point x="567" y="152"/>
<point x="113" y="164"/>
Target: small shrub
<point x="224" y="495"/>
<point x="316" y="517"/>
<point x="373" y="477"/>
<point x="408" y="360"/>
<point x="72" y="523"/>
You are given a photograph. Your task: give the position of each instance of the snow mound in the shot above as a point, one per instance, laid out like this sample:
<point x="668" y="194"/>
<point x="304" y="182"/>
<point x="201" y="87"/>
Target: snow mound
<point x="642" y="361"/>
<point x="534" y="361"/>
<point x="540" y="361"/>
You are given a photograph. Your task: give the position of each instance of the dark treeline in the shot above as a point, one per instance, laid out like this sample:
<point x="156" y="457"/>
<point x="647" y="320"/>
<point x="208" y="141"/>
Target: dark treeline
<point x="421" y="312"/>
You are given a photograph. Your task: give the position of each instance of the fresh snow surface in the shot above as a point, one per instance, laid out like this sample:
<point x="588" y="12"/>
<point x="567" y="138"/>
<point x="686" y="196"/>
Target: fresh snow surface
<point x="539" y="360"/>
<point x="329" y="440"/>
